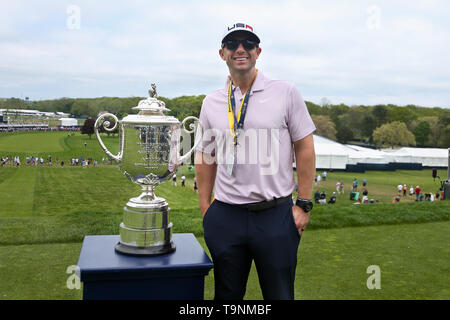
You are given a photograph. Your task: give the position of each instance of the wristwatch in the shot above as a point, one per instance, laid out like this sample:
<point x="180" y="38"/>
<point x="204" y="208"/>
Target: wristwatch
<point x="305" y="204"/>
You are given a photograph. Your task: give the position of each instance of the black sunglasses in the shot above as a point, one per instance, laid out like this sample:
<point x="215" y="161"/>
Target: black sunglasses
<point x="234" y="44"/>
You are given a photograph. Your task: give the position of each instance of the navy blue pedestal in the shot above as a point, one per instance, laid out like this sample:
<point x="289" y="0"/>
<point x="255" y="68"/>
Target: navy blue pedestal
<point x="107" y="274"/>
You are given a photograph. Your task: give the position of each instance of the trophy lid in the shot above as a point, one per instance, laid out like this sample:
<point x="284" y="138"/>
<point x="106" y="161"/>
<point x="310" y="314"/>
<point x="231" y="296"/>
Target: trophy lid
<point x="151" y="110"/>
<point x="151" y="105"/>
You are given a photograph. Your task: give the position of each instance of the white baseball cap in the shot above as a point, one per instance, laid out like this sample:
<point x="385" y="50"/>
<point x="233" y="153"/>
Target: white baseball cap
<point x="240" y="27"/>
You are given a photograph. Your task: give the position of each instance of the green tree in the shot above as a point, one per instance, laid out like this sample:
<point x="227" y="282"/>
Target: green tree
<point x="436" y="129"/>
<point x="352" y="120"/>
<point x="325" y="127"/>
<point x="313" y="108"/>
<point x="444" y="140"/>
<point x="80" y="107"/>
<point x="344" y="135"/>
<point x="380" y="112"/>
<point x="393" y="134"/>
<point x="368" y="125"/>
<point x="421" y="133"/>
<point x="336" y="110"/>
<point x="403" y="114"/>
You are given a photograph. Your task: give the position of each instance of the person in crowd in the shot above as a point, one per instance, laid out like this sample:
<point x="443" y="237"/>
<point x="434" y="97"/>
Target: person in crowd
<point x="323" y="197"/>
<point x="365" y="199"/>
<point x="333" y="198"/>
<point x="399" y="189"/>
<point x="195" y="185"/>
<point x="417" y="192"/>
<point x="317" y="196"/>
<point x="174" y="179"/>
<point x="365" y="192"/>
<point x="355" y="184"/>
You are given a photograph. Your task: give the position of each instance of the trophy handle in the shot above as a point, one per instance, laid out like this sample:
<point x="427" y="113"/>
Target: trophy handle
<point x="105" y="125"/>
<point x="181" y="159"/>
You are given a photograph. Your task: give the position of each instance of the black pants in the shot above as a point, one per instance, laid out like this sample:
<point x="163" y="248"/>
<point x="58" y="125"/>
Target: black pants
<point x="236" y="236"/>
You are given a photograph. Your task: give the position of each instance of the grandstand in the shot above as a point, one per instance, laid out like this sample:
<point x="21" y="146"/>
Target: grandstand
<point x="31" y="113"/>
<point x="26" y="119"/>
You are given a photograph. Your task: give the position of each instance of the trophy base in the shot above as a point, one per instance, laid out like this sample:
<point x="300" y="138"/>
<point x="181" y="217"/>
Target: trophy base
<point x="146" y="229"/>
<point x="145" y="251"/>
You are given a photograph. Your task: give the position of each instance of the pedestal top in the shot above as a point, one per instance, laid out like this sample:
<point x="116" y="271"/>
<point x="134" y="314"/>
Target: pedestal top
<point x="98" y="260"/>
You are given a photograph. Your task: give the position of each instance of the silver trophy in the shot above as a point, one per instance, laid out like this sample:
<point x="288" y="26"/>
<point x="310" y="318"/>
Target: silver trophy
<point x="149" y="154"/>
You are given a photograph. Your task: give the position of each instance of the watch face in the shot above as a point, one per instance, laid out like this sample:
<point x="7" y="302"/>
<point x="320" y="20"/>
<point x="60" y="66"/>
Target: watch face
<point x="305" y="205"/>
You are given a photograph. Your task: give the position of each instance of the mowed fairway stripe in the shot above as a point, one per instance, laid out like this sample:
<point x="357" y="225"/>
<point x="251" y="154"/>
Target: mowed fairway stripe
<point x="32" y="142"/>
<point x="17" y="193"/>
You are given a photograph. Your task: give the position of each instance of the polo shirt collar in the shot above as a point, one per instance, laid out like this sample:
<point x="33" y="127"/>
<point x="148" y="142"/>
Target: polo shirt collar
<point x="258" y="85"/>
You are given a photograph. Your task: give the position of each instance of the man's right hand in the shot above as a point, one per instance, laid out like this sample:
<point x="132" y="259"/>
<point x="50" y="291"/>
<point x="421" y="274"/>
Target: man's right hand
<point x="204" y="208"/>
<point x="206" y="174"/>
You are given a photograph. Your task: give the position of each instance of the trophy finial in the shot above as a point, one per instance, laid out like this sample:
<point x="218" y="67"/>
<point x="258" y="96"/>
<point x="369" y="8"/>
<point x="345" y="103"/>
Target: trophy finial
<point x="152" y="91"/>
<point x="151" y="104"/>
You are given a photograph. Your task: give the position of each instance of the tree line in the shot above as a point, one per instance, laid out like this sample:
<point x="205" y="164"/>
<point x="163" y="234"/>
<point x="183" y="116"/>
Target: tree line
<point x="383" y="125"/>
<point x="380" y="125"/>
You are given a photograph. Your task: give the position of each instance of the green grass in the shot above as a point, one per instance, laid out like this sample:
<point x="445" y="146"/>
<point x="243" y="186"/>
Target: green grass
<point x="61" y="144"/>
<point x="24" y="143"/>
<point x="17" y="190"/>
<point x="413" y="261"/>
<point x="382" y="185"/>
<point x="46" y="211"/>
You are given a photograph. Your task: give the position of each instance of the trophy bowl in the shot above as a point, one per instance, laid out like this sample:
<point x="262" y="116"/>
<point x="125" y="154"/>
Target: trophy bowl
<point x="149" y="154"/>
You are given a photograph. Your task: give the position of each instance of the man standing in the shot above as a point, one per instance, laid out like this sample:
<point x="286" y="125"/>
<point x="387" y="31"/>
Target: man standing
<point x="418" y="193"/>
<point x="355" y="184"/>
<point x="399" y="189"/>
<point x="252" y="217"/>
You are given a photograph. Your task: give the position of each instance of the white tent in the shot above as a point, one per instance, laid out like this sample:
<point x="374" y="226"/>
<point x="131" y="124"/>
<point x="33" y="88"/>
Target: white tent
<point x="359" y="154"/>
<point x="429" y="157"/>
<point x="334" y="155"/>
<point x="330" y="154"/>
<point x="68" y="122"/>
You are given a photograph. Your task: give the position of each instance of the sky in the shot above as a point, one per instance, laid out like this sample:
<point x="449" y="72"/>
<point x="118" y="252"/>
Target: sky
<point x="352" y="52"/>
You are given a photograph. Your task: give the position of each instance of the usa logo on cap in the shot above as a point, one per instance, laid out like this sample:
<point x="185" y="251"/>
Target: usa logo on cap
<point x="240" y="27"/>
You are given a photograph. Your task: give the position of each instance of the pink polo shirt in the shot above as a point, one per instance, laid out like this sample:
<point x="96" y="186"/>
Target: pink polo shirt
<point x="276" y="117"/>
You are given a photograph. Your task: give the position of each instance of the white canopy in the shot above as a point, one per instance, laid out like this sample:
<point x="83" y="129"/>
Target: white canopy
<point x="330" y="154"/>
<point x="68" y="122"/>
<point x="429" y="157"/>
<point x="333" y="155"/>
<point x="359" y="154"/>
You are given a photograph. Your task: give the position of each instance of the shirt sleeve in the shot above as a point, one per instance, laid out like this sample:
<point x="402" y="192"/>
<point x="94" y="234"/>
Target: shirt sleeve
<point x="298" y="119"/>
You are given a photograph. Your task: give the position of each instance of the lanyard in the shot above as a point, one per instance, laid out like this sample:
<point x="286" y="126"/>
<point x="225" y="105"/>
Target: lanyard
<point x="237" y="123"/>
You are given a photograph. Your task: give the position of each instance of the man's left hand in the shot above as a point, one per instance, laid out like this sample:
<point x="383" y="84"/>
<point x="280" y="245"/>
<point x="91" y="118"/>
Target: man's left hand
<point x="301" y="218"/>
